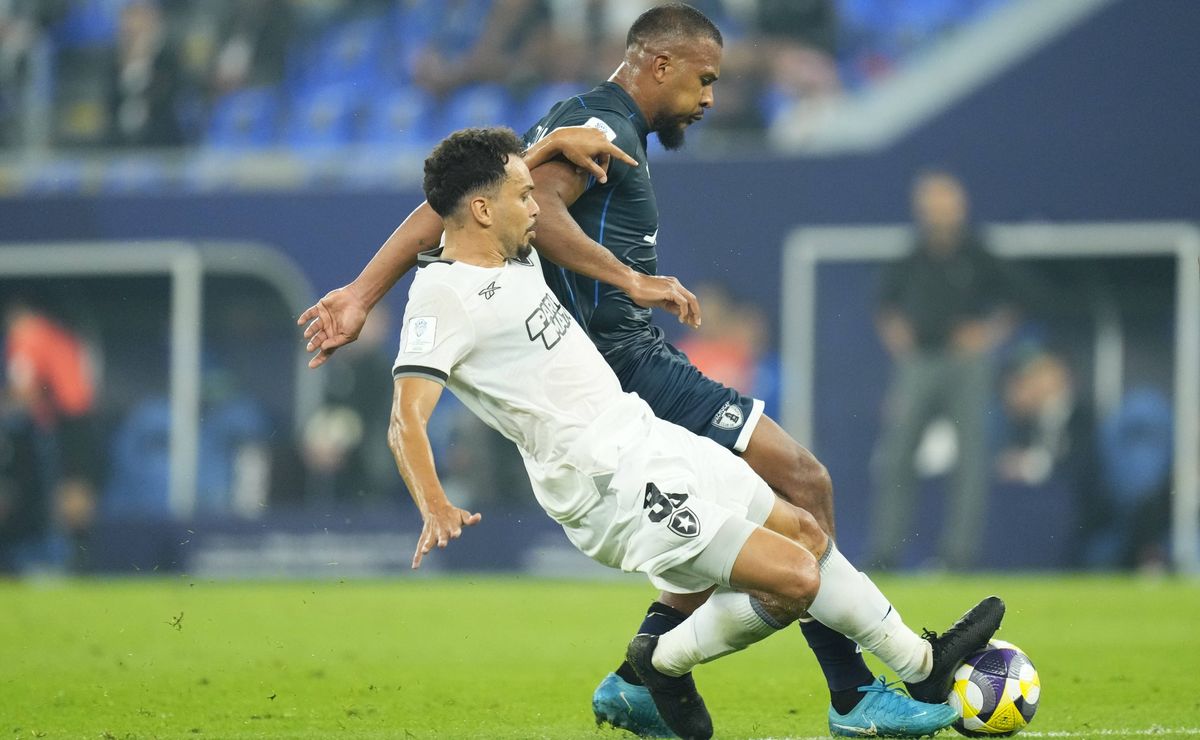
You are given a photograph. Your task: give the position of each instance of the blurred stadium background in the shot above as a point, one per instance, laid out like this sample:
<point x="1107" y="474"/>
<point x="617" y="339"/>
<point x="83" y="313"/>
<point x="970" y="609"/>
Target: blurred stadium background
<point x="178" y="180"/>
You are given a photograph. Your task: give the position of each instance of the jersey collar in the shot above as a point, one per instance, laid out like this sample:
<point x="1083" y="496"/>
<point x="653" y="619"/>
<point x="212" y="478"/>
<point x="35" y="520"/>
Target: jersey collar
<point x="636" y="118"/>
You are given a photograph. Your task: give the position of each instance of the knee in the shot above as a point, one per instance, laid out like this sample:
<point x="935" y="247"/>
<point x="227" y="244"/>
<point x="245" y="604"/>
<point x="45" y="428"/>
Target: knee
<point x="804" y="529"/>
<point x="796" y="594"/>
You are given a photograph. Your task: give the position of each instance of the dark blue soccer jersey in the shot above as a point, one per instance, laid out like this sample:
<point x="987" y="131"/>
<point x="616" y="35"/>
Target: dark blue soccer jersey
<point x="622" y="216"/>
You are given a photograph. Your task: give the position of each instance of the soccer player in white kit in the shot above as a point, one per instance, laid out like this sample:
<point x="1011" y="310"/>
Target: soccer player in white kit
<point x="630" y="490"/>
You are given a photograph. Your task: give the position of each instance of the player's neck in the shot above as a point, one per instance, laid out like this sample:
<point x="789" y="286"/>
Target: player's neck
<point x="473" y="250"/>
<point x="627" y="77"/>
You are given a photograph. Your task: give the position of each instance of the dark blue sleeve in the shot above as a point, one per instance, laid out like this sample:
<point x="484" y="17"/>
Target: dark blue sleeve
<point x="614" y="125"/>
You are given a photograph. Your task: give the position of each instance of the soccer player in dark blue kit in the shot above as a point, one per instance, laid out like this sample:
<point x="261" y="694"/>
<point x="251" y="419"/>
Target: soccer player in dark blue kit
<point x="598" y="241"/>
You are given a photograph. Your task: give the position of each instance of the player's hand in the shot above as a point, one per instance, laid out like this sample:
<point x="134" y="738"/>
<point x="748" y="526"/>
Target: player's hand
<point x="588" y="149"/>
<point x="442" y="525"/>
<point x="334" y="321"/>
<point x="667" y="293"/>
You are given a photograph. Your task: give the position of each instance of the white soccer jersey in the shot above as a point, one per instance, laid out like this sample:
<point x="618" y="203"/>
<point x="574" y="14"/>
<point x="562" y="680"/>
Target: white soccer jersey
<point x="505" y="346"/>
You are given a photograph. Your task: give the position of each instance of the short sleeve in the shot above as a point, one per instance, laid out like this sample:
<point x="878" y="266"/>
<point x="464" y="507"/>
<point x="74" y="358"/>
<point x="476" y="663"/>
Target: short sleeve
<point x="436" y="336"/>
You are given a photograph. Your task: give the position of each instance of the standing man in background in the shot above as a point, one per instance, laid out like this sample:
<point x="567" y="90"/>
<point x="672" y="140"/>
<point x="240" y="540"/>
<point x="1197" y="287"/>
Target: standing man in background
<point x="941" y="314"/>
<point x="51" y="383"/>
<point x="598" y="241"/>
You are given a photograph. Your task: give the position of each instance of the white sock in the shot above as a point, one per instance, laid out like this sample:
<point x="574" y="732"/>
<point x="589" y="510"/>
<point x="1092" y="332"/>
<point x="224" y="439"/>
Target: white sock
<point x="729" y="621"/>
<point x="849" y="602"/>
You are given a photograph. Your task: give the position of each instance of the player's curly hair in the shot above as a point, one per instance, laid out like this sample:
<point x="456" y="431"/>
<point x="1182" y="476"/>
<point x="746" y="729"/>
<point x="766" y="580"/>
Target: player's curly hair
<point x="674" y="20"/>
<point x="467" y="162"/>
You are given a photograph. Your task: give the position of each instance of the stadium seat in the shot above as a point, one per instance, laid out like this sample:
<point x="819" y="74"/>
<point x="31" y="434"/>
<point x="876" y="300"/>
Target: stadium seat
<point x="140" y="476"/>
<point x="245" y="119"/>
<point x="138" y="480"/>
<point x="88" y="23"/>
<point x="1136" y="446"/>
<point x="347" y="53"/>
<point x="402" y="118"/>
<point x="322" y="118"/>
<point x="539" y="101"/>
<point x="477" y="105"/>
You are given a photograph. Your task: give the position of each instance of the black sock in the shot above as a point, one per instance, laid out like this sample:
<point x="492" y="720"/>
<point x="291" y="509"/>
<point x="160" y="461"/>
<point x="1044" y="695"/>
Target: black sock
<point x="841" y="662"/>
<point x="660" y="619"/>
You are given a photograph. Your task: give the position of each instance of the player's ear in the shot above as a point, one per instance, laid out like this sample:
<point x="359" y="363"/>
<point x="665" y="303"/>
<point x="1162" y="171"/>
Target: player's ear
<point x="661" y="66"/>
<point x="481" y="210"/>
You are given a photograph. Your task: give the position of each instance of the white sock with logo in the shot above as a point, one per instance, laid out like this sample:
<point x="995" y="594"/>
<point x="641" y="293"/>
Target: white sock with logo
<point x="729" y="621"/>
<point x="849" y="602"/>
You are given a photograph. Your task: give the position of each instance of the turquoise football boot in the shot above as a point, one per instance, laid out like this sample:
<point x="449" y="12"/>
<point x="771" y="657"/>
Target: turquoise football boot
<point x="629" y="707"/>
<point x="886" y="711"/>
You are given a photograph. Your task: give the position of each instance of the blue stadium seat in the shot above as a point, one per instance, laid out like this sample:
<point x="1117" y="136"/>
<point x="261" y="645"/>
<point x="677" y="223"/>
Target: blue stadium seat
<point x="88" y="23"/>
<point x="347" y="53"/>
<point x="140" y="475"/>
<point x="401" y="118"/>
<point x="244" y="119"/>
<point x="539" y="101"/>
<point x="141" y="464"/>
<point x="1136" y="445"/>
<point x="451" y="29"/>
<point x="477" y="105"/>
<point x="322" y="118"/>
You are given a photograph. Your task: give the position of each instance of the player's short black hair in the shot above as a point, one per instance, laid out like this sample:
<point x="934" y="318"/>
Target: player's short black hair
<point x="466" y="162"/>
<point x="673" y="20"/>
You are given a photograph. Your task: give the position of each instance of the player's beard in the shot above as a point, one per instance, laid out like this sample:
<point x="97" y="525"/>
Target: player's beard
<point x="671" y="131"/>
<point x="524" y="251"/>
<point x="671" y="137"/>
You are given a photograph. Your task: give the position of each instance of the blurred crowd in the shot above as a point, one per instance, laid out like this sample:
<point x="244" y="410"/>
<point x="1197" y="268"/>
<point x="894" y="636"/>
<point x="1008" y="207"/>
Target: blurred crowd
<point x="397" y="73"/>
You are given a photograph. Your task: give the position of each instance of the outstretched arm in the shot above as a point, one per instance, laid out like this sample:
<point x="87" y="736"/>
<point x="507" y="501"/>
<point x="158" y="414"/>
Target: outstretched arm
<point x="559" y="238"/>
<point x="337" y="319"/>
<point x="413" y="402"/>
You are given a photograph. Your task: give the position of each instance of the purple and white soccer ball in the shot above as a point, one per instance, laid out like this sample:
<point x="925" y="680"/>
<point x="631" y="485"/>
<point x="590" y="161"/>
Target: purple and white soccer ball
<point x="996" y="691"/>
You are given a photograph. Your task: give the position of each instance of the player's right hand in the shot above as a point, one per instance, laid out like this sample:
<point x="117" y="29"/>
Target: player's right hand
<point x="590" y="150"/>
<point x="334" y="321"/>
<point x="667" y="293"/>
<point x="442" y="525"/>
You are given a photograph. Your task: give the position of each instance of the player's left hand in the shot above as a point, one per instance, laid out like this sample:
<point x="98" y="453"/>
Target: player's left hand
<point x="442" y="524"/>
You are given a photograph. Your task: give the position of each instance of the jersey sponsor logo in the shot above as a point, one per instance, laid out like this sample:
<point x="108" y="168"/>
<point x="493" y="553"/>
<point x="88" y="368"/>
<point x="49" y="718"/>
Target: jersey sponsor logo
<point x="489" y="291"/>
<point x="548" y="322"/>
<point x="729" y="417"/>
<point x="602" y="127"/>
<point x="651" y="239"/>
<point x="420" y="333"/>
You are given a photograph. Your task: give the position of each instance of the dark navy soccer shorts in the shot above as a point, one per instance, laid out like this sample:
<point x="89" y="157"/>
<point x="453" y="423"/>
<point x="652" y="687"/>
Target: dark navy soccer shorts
<point x="679" y="393"/>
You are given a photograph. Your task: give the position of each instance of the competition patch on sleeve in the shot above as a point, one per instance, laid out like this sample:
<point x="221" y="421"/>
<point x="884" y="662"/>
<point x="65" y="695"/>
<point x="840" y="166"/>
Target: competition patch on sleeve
<point x="419" y="334"/>
<point x="602" y="127"/>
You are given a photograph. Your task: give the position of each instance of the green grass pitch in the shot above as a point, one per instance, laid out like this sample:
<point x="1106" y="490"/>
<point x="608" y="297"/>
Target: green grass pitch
<point x="485" y="657"/>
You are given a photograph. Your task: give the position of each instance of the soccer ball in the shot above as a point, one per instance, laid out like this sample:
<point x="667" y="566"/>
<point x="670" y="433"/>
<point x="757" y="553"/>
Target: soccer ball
<point x="996" y="691"/>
